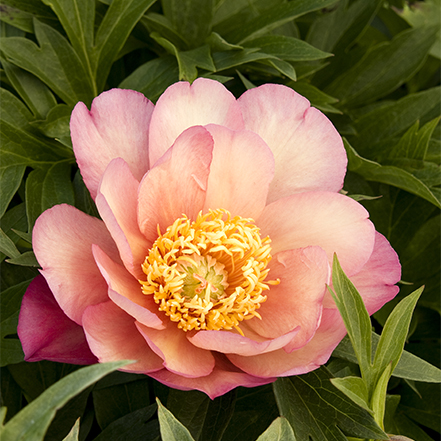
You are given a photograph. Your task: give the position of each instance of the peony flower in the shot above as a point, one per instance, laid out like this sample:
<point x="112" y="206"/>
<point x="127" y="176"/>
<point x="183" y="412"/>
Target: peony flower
<point x="209" y="265"/>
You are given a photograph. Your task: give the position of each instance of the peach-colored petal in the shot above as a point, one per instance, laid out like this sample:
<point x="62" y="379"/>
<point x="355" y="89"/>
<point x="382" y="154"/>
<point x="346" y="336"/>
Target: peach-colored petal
<point x="62" y="239"/>
<point x="183" y="105"/>
<point x="281" y="363"/>
<point x="230" y="343"/>
<point x="125" y="291"/>
<point x="224" y="378"/>
<point x="112" y="336"/>
<point x="177" y="184"/>
<point x="117" y="202"/>
<point x="179" y="355"/>
<point x="297" y="300"/>
<point x="308" y="150"/>
<point x="240" y="172"/>
<point x="46" y="333"/>
<point x="117" y="126"/>
<point x="331" y="221"/>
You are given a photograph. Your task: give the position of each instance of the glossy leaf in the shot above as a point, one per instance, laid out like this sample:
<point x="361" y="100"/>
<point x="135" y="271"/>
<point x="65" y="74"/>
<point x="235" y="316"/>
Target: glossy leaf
<point x="355" y="389"/>
<point x="171" y="428"/>
<point x="280" y="430"/>
<point x="10" y="180"/>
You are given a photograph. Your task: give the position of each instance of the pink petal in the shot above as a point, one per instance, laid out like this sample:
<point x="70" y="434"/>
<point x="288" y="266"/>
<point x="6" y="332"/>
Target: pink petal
<point x="331" y="221"/>
<point x="112" y="336"/>
<point x="179" y="355"/>
<point x="230" y="343"/>
<point x="117" y="202"/>
<point x="125" y="291"/>
<point x="297" y="301"/>
<point x="183" y="105"/>
<point x="176" y="185"/>
<point x="240" y="173"/>
<point x="46" y="333"/>
<point x="117" y="126"/>
<point x="62" y="239"/>
<point x="224" y="378"/>
<point x="308" y="150"/>
<point x="281" y="363"/>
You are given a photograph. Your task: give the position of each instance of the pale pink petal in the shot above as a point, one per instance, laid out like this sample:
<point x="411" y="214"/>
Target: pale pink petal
<point x="230" y="343"/>
<point x="117" y="126"/>
<point x="179" y="355"/>
<point x="331" y="221"/>
<point x="308" y="150"/>
<point x="46" y="333"/>
<point x="224" y="378"/>
<point x="183" y="105"/>
<point x="62" y="240"/>
<point x="240" y="172"/>
<point x="177" y="184"/>
<point x="297" y="301"/>
<point x="281" y="363"/>
<point x="125" y="291"/>
<point x="117" y="202"/>
<point x="112" y="336"/>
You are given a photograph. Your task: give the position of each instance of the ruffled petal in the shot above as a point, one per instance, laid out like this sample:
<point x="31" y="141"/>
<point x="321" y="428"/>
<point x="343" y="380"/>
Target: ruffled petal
<point x="117" y="126"/>
<point x="179" y="355"/>
<point x="177" y="184"/>
<point x="46" y="333"/>
<point x="183" y="105"/>
<point x="224" y="378"/>
<point x="62" y="240"/>
<point x="281" y="363"/>
<point x="117" y="202"/>
<point x="125" y="291"/>
<point x="297" y="301"/>
<point x="112" y="335"/>
<point x="240" y="172"/>
<point x="331" y="221"/>
<point x="308" y="150"/>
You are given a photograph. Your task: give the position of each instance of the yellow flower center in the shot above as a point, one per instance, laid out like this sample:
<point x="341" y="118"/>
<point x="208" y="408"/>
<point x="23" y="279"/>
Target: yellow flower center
<point x="209" y="273"/>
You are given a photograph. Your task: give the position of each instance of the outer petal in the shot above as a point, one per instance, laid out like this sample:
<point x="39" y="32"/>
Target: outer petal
<point x="331" y="221"/>
<point x="117" y="202"/>
<point x="116" y="127"/>
<point x="112" y="336"/>
<point x="177" y="183"/>
<point x="179" y="355"/>
<point x="62" y="239"/>
<point x="183" y="105"/>
<point x="297" y="300"/>
<point x="240" y="173"/>
<point x="224" y="378"/>
<point x="125" y="291"/>
<point x="281" y="363"/>
<point x="46" y="333"/>
<point x="308" y="150"/>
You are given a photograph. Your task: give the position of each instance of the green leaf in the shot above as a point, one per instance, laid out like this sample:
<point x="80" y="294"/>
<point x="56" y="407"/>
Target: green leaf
<point x="10" y="180"/>
<point x="33" y="190"/>
<point x="191" y="18"/>
<point x="158" y="23"/>
<point x="280" y="430"/>
<point x="394" y="334"/>
<point x="7" y="246"/>
<point x="153" y="77"/>
<point x="384" y="68"/>
<point x="13" y="220"/>
<point x="388" y="174"/>
<point x="355" y="317"/>
<point x="378" y="401"/>
<point x="355" y="389"/>
<point x="409" y="366"/>
<point x="318" y="99"/>
<point x="274" y="18"/>
<point x="74" y="433"/>
<point x="219" y="44"/>
<point x="314" y="407"/>
<point x="287" y="48"/>
<point x="228" y="59"/>
<point x="31" y="423"/>
<point x="57" y="186"/>
<point x="26" y="259"/>
<point x="171" y="428"/>
<point x="283" y="67"/>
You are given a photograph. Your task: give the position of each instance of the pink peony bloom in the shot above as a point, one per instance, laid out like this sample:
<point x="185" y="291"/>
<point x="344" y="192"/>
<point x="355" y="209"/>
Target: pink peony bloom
<point x="220" y="218"/>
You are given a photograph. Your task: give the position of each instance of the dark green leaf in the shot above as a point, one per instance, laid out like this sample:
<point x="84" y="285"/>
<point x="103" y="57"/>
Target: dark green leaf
<point x="355" y="389"/>
<point x="318" y="99"/>
<point x="218" y="44"/>
<point x="228" y="59"/>
<point x="283" y="67"/>
<point x="25" y="259"/>
<point x="171" y="428"/>
<point x="10" y="180"/>
<point x="280" y="430"/>
<point x="7" y="246"/>
<point x="57" y="186"/>
<point x="315" y="408"/>
<point x="13" y="220"/>
<point x="162" y="25"/>
<point x="34" y="189"/>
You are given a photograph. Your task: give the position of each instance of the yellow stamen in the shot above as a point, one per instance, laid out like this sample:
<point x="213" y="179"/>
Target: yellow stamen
<point x="210" y="273"/>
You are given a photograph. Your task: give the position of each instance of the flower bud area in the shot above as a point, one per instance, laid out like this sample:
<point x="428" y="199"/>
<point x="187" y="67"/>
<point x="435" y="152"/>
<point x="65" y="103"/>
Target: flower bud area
<point x="209" y="273"/>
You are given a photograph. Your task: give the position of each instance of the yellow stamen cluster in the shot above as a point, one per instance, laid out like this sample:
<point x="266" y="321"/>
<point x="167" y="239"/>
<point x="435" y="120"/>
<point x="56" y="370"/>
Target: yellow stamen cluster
<point x="208" y="273"/>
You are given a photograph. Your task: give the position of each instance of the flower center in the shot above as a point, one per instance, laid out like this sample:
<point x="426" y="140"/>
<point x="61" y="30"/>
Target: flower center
<point x="209" y="273"/>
